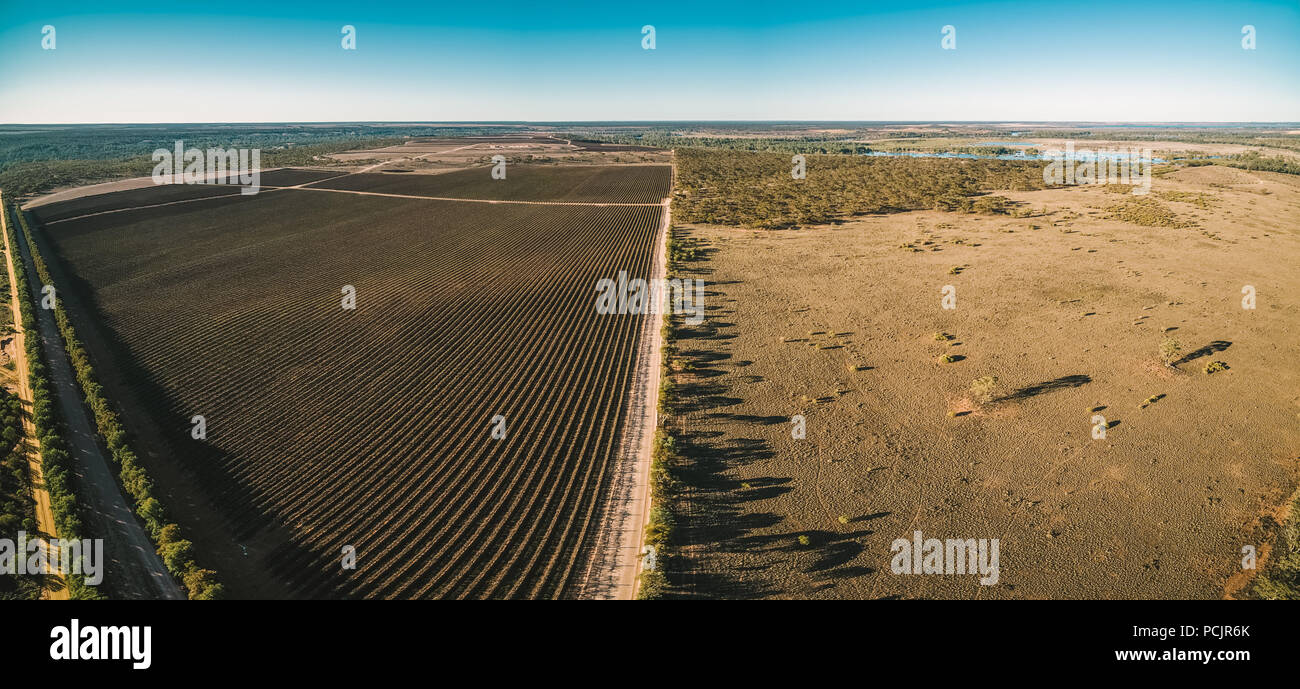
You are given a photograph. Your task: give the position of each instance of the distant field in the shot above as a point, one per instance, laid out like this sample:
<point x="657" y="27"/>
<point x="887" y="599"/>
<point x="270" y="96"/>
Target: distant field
<point x="600" y="146"/>
<point x="607" y="184"/>
<point x="143" y="196"/>
<point x="329" y="427"/>
<point x="149" y="193"/>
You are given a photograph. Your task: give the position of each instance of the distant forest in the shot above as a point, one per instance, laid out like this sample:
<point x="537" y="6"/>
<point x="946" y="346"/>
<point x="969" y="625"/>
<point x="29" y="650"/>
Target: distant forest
<point x="757" y="190"/>
<point x="36" y="158"/>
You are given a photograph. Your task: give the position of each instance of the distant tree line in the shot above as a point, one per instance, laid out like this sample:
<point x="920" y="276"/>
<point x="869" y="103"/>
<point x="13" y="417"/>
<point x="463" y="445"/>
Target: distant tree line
<point x="1275" y="137"/>
<point x="34" y="159"/>
<point x="1251" y="160"/>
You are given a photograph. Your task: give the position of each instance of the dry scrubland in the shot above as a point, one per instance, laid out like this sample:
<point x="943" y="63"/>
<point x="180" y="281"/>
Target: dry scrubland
<point x="371" y="427"/>
<point x="1068" y="307"/>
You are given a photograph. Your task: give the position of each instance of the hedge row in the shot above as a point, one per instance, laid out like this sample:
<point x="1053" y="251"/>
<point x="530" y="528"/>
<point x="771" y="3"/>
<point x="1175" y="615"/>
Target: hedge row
<point x="663" y="518"/>
<point x="56" y="462"/>
<point x="17" y="508"/>
<point x="176" y="552"/>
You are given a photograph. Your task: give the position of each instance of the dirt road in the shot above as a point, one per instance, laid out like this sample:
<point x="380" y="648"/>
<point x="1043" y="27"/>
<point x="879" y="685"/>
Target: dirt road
<point x="44" y="515"/>
<point x="618" y="559"/>
<point x="132" y="568"/>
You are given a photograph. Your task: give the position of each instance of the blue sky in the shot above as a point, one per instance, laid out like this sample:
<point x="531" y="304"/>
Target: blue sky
<point x="147" y="61"/>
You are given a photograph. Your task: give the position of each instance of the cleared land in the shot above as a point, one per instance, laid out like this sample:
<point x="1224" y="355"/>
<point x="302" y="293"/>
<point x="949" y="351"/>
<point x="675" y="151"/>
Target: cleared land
<point x="1068" y="308"/>
<point x="369" y="427"/>
<point x="596" y="184"/>
<point x="145" y="192"/>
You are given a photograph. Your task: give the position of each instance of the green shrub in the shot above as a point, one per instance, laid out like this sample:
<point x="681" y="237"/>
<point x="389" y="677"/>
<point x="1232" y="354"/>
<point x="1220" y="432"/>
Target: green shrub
<point x="1215" y="367"/>
<point x="982" y="389"/>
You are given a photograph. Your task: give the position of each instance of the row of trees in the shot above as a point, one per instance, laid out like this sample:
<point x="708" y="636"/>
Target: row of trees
<point x="17" y="508"/>
<point x="176" y="551"/>
<point x="56" y="461"/>
<point x="1271" y="136"/>
<point x="1253" y="161"/>
<point x="660" y="529"/>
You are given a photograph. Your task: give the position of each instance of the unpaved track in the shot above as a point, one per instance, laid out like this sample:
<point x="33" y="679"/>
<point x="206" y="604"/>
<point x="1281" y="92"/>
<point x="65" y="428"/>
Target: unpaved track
<point x="395" y="161"/>
<point x="522" y="203"/>
<point x="132" y="568"/>
<point x="613" y="572"/>
<point x="44" y="515"/>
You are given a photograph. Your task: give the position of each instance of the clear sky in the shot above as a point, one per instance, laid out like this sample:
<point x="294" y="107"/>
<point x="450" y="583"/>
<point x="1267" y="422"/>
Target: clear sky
<point x="199" y="61"/>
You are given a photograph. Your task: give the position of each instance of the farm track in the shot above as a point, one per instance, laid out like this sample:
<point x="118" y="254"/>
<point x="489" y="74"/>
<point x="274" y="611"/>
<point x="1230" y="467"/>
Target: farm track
<point x="132" y="568"/>
<point x="372" y="428"/>
<point x="53" y="588"/>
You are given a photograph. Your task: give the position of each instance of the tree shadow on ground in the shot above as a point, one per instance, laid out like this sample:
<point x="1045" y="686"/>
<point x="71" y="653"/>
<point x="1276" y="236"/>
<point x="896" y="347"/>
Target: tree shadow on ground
<point x="1212" y="348"/>
<point x="718" y="509"/>
<point x="721" y="516"/>
<point x="1047" y="386"/>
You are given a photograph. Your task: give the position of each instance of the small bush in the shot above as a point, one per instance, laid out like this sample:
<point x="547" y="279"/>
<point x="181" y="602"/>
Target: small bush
<point x="982" y="389"/>
<point x="1146" y="211"/>
<point x="653" y="585"/>
<point x="1215" y="367"/>
<point x="1169" y="350"/>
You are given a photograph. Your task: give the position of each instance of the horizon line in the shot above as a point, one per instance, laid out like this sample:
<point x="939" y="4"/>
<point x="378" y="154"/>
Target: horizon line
<point x="647" y="122"/>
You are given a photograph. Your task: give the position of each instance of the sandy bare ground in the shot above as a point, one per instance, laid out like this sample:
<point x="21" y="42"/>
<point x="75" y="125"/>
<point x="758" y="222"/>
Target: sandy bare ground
<point x="1068" y="310"/>
<point x="613" y="574"/>
<point x="418" y="157"/>
<point x="44" y="515"/>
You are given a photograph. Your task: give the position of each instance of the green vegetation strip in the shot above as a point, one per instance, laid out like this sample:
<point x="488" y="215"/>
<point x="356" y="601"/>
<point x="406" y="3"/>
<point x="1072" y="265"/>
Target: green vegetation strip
<point x="56" y="462"/>
<point x="17" y="506"/>
<point x="1251" y="161"/>
<point x="176" y="552"/>
<point x="665" y="458"/>
<point x="1280" y="579"/>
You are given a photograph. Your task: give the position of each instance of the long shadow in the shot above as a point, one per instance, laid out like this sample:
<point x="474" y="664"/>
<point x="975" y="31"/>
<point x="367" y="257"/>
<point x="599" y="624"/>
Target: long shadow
<point x="721" y="514"/>
<point x="1212" y="348"/>
<point x="1047" y="386"/>
<point x="727" y="516"/>
<point x="750" y="418"/>
<point x="144" y="401"/>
